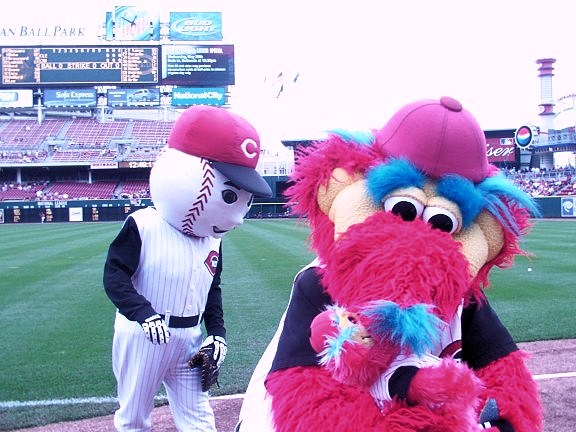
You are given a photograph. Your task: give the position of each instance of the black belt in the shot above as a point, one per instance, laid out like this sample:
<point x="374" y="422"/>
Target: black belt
<point x="182" y="322"/>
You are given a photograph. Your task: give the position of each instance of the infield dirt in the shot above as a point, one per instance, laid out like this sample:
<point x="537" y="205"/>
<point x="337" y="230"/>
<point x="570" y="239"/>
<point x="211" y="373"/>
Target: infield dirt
<point x="548" y="358"/>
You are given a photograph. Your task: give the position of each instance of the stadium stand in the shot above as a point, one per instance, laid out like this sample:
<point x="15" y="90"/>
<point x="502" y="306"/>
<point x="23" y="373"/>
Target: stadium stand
<point x="74" y="190"/>
<point x="28" y="134"/>
<point x="542" y="183"/>
<point x="135" y="189"/>
<point x="151" y="133"/>
<point x="91" y="133"/>
<point x="19" y="192"/>
<point x="86" y="141"/>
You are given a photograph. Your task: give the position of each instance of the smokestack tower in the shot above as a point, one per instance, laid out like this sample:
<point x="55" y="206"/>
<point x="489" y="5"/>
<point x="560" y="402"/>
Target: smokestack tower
<point x="546" y="107"/>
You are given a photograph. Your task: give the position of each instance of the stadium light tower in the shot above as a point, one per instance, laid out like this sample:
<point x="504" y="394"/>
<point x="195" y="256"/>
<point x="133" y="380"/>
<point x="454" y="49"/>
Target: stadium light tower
<point x="546" y="107"/>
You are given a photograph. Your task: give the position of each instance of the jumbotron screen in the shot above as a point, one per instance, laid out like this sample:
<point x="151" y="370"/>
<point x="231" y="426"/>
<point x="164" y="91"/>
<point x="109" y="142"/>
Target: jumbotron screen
<point x="47" y="65"/>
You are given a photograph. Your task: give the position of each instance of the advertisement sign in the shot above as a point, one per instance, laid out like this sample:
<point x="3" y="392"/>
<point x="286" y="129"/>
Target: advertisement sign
<point x="568" y="205"/>
<point x="202" y="65"/>
<point x="70" y="97"/>
<point x="16" y="99"/>
<point x="500" y="150"/>
<point x="195" y="26"/>
<point x="187" y="96"/>
<point x="525" y="136"/>
<point x="148" y="96"/>
<point x="131" y="23"/>
<point x="75" y="214"/>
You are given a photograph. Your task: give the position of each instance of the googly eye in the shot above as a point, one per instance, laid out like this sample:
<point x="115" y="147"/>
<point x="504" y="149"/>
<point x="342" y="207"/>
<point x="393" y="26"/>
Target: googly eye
<point x="406" y="207"/>
<point x="441" y="219"/>
<point x="229" y="196"/>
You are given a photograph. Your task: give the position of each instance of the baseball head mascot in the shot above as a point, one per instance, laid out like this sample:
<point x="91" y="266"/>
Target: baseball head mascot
<point x="163" y="268"/>
<point x="389" y="328"/>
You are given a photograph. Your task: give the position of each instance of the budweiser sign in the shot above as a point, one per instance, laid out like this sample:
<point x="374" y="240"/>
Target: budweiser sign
<point x="500" y="150"/>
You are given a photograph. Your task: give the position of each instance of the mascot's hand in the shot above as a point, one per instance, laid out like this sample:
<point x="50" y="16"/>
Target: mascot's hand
<point x="216" y="348"/>
<point x="156" y="330"/>
<point x="447" y="387"/>
<point x="209" y="359"/>
<point x="490" y="418"/>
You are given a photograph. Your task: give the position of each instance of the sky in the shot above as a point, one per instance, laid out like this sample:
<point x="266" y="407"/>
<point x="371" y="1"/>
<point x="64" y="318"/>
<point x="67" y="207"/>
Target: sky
<point x="358" y="62"/>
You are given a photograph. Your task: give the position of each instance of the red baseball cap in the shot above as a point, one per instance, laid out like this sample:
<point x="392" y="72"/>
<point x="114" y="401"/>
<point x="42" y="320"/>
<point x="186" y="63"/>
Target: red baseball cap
<point x="438" y="137"/>
<point x="224" y="138"/>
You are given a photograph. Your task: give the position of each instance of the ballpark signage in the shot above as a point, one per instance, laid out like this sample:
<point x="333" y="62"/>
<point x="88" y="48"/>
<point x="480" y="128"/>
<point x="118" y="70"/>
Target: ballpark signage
<point x="524" y="137"/>
<point x="86" y="64"/>
<point x="133" y="97"/>
<point x="187" y="96"/>
<point x="568" y="206"/>
<point x="195" y="26"/>
<point x="500" y="150"/>
<point x="201" y="65"/>
<point x="70" y="97"/>
<point x="16" y="99"/>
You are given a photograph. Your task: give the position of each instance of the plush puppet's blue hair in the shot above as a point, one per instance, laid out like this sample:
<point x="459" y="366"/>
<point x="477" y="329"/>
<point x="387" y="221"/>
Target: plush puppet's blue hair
<point x="335" y="344"/>
<point x="414" y="329"/>
<point x="395" y="174"/>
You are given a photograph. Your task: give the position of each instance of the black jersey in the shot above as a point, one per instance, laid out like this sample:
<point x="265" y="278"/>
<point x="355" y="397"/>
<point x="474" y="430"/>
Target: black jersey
<point x="484" y="337"/>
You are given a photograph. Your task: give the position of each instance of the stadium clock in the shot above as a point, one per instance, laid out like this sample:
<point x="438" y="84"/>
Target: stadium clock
<point x="132" y="23"/>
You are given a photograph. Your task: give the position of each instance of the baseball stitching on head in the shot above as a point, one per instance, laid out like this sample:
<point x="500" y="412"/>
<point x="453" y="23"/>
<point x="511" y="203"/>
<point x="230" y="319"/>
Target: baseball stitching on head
<point x="205" y="192"/>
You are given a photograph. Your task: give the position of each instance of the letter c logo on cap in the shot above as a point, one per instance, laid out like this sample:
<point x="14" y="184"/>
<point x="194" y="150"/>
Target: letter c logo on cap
<point x="249" y="153"/>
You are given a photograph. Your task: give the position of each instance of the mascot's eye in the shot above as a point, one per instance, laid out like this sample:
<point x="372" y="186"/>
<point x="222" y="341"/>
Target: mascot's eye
<point x="229" y="196"/>
<point x="441" y="219"/>
<point x="407" y="208"/>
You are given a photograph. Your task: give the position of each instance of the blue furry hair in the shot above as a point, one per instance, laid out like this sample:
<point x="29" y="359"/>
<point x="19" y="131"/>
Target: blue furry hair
<point x="335" y="344"/>
<point x="395" y="174"/>
<point x="471" y="198"/>
<point x="359" y="137"/>
<point x="414" y="329"/>
<point x="487" y="194"/>
<point x="493" y="189"/>
<point x="463" y="192"/>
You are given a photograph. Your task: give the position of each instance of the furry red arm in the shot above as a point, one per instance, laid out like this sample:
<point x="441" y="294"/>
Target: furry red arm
<point x="309" y="399"/>
<point x="510" y="383"/>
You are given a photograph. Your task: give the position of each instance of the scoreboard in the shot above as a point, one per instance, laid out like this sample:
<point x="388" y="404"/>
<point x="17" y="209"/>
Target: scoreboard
<point x="80" y="65"/>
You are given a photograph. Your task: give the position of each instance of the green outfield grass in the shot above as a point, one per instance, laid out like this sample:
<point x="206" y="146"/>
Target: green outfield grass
<point x="56" y="320"/>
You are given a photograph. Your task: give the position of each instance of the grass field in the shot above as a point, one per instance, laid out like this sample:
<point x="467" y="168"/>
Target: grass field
<point x="56" y="320"/>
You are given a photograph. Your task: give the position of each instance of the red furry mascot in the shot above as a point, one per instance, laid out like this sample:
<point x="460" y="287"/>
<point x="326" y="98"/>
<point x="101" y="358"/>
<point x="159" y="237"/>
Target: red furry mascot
<point x="389" y="329"/>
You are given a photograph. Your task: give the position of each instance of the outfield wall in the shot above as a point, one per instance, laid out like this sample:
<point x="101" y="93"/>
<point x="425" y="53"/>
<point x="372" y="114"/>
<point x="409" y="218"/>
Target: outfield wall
<point x="117" y="210"/>
<point x="101" y="210"/>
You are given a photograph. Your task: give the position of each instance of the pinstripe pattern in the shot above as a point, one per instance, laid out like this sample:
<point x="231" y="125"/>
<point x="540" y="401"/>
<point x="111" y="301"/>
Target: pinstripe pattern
<point x="172" y="276"/>
<point x="451" y="334"/>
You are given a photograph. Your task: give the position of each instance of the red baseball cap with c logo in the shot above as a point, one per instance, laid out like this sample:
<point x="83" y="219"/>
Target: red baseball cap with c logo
<point x="224" y="138"/>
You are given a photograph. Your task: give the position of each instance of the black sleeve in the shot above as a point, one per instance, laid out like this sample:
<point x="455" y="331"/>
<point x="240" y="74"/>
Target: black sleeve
<point x="213" y="312"/>
<point x="308" y="300"/>
<point x="121" y="263"/>
<point x="484" y="337"/>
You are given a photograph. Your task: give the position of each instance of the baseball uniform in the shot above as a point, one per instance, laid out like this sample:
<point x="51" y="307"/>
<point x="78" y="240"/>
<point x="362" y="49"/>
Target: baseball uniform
<point x="148" y="253"/>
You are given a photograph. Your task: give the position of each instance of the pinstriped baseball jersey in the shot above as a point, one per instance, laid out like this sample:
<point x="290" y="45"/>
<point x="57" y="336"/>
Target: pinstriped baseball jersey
<point x="449" y="346"/>
<point x="183" y="266"/>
